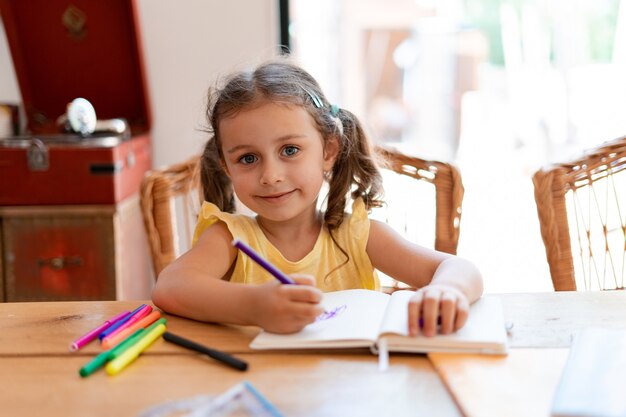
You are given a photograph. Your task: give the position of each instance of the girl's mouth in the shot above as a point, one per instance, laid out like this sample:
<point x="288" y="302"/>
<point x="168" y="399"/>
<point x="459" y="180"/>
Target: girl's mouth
<point x="277" y="198"/>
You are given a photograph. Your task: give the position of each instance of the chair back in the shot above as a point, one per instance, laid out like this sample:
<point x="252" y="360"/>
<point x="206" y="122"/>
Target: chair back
<point x="423" y="201"/>
<point x="581" y="206"/>
<point x="170" y="203"/>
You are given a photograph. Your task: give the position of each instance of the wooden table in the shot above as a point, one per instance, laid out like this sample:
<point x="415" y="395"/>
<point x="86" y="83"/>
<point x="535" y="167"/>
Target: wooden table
<point x="40" y="376"/>
<point x="523" y="383"/>
<point x="549" y="320"/>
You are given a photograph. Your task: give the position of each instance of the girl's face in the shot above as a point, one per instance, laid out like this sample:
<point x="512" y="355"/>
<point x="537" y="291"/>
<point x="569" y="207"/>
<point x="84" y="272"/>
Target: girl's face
<point x="276" y="159"/>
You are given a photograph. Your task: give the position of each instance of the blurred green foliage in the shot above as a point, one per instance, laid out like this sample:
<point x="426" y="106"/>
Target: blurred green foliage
<point x="599" y="18"/>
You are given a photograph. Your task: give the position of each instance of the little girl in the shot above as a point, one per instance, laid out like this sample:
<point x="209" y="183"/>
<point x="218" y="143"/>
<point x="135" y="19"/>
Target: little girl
<point x="275" y="141"/>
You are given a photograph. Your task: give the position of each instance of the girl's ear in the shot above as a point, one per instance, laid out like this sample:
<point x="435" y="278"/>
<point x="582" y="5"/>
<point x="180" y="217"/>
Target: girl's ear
<point x="331" y="150"/>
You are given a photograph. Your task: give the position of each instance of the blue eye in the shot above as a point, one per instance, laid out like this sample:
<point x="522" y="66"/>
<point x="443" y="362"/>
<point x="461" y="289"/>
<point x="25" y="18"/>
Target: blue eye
<point x="248" y="159"/>
<point x="290" y="150"/>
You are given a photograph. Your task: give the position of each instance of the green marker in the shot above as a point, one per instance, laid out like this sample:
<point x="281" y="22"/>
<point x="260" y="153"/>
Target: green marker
<point x="108" y="355"/>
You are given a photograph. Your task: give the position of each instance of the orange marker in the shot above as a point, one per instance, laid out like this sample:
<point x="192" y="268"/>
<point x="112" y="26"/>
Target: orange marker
<point x="110" y="341"/>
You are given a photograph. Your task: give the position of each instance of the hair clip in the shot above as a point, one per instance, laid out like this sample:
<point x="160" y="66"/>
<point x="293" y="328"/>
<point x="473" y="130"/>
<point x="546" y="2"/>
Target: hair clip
<point x="334" y="110"/>
<point x="316" y="100"/>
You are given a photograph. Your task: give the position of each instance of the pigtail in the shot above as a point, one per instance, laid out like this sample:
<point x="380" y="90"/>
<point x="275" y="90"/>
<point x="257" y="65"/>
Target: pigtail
<point x="355" y="171"/>
<point x="216" y="186"/>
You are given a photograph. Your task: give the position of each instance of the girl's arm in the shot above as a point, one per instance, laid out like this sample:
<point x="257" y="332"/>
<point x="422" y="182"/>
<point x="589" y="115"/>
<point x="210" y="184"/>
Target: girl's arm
<point x="446" y="284"/>
<point x="192" y="286"/>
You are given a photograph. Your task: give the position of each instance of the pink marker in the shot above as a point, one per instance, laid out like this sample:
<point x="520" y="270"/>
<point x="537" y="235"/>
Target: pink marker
<point x="110" y="341"/>
<point x="88" y="337"/>
<point x="143" y="312"/>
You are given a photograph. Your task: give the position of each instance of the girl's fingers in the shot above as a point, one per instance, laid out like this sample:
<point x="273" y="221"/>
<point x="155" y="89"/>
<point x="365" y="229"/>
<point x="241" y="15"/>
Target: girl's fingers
<point x="437" y="308"/>
<point x="430" y="311"/>
<point x="303" y="313"/>
<point x="462" y="313"/>
<point x="302" y="293"/>
<point x="414" y="312"/>
<point x="293" y="316"/>
<point x="447" y="312"/>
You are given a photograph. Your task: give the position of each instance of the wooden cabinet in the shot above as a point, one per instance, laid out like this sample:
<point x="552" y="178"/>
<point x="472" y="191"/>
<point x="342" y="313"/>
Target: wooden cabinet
<point x="78" y="252"/>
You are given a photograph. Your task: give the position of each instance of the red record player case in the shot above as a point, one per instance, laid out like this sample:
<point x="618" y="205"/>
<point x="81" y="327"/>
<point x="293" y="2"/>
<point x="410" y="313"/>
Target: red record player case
<point x="63" y="50"/>
<point x="74" y="231"/>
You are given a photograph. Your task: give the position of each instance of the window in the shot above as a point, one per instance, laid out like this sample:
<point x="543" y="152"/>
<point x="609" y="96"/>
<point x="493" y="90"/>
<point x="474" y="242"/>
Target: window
<point x="498" y="88"/>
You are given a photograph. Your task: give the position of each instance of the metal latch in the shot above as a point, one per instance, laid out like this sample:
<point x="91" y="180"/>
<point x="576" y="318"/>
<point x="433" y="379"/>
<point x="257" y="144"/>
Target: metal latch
<point x="38" y="156"/>
<point x="60" y="262"/>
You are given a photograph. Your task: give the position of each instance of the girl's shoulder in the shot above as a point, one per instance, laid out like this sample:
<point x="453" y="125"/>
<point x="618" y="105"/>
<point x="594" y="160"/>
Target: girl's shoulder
<point x="210" y="214"/>
<point x="356" y="222"/>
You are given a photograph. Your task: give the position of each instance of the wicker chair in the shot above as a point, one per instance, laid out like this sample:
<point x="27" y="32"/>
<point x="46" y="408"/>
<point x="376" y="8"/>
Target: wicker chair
<point x="408" y="205"/>
<point x="170" y="203"/>
<point x="163" y="213"/>
<point x="579" y="204"/>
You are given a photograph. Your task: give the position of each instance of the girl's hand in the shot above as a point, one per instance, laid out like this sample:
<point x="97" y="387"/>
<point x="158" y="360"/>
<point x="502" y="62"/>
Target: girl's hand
<point x="437" y="305"/>
<point x="285" y="308"/>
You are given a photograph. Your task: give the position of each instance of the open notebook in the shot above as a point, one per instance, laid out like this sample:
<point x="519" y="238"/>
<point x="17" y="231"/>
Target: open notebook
<point x="362" y="318"/>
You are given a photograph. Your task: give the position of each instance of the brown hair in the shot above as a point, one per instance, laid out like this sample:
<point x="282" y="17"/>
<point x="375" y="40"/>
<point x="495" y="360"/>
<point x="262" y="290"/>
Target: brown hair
<point x="279" y="80"/>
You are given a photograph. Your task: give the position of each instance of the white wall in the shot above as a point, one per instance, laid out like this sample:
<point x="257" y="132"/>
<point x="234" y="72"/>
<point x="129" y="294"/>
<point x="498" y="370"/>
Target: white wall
<point x="9" y="91"/>
<point x="187" y="43"/>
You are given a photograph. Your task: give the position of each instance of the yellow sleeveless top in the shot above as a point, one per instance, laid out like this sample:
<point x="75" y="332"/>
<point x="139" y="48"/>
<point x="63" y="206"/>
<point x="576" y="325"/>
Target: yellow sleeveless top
<point x="352" y="236"/>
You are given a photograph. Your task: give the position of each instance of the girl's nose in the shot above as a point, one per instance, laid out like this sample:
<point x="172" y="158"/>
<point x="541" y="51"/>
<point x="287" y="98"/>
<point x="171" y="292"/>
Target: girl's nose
<point x="271" y="173"/>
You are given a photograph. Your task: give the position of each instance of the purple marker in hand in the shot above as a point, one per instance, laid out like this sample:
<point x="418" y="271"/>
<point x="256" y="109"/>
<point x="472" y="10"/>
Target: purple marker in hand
<point x="277" y="273"/>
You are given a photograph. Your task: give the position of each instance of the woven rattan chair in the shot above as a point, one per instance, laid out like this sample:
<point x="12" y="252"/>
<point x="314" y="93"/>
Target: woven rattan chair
<point x="580" y="206"/>
<point x="170" y="202"/>
<point x="408" y="205"/>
